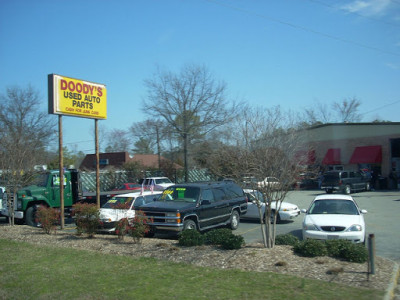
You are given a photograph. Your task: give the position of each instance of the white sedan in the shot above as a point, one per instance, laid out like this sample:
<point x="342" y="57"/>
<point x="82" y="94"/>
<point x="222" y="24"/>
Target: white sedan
<point x="287" y="211"/>
<point x="123" y="206"/>
<point x="334" y="217"/>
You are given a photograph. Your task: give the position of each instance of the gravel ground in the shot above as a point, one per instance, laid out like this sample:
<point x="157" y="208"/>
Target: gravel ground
<point x="252" y="257"/>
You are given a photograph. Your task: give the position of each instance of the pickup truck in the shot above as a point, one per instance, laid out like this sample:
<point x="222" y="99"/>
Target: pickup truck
<point x="198" y="206"/>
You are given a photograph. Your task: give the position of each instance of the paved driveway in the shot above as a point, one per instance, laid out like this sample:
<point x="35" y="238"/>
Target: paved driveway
<point x="382" y="219"/>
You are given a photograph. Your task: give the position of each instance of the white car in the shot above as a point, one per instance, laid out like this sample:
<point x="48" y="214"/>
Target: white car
<point x="123" y="206"/>
<point x="334" y="217"/>
<point x="156" y="183"/>
<point x="269" y="182"/>
<point x="287" y="212"/>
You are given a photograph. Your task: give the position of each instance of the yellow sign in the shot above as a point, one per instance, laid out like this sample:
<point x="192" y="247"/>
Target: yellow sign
<point x="75" y="97"/>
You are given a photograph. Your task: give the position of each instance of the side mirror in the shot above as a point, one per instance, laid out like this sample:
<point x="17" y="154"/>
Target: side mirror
<point x="205" y="202"/>
<point x="363" y="211"/>
<point x="304" y="211"/>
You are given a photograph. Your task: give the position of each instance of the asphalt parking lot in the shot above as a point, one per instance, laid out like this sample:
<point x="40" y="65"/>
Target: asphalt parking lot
<point x="382" y="219"/>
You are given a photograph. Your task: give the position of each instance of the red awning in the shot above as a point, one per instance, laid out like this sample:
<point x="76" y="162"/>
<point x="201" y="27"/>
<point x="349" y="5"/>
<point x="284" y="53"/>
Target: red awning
<point x="305" y="157"/>
<point x="367" y="155"/>
<point x="332" y="157"/>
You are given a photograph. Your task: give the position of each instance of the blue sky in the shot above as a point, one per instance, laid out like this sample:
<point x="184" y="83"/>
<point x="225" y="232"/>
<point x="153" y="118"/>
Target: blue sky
<point x="292" y="53"/>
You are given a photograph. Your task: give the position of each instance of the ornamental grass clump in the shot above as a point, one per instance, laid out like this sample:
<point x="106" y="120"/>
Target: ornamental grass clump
<point x="87" y="218"/>
<point x="48" y="218"/>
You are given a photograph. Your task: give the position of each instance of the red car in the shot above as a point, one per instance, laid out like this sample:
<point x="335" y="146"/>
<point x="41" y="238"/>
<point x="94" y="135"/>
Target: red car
<point x="128" y="186"/>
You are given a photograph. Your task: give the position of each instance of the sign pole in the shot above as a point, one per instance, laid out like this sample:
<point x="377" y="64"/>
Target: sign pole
<point x="96" y="133"/>
<point x="61" y="170"/>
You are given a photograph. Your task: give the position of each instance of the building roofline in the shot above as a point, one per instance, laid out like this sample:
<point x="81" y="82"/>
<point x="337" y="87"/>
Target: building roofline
<point x="354" y="124"/>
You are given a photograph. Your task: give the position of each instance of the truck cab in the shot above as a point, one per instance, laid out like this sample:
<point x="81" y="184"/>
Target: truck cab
<point x="45" y="191"/>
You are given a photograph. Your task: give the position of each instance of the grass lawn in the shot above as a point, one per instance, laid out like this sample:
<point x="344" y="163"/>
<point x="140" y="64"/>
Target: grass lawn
<point x="42" y="272"/>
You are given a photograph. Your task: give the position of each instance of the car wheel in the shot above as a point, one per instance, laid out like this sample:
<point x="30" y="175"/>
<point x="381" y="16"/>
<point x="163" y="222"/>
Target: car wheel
<point x="278" y="218"/>
<point x="347" y="189"/>
<point x="328" y="191"/>
<point x="235" y="220"/>
<point x="150" y="233"/>
<point x="30" y="217"/>
<point x="189" y="224"/>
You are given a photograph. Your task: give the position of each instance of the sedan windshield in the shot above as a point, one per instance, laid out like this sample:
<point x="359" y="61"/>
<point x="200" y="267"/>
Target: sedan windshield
<point x="182" y="194"/>
<point x="342" y="207"/>
<point x="118" y="203"/>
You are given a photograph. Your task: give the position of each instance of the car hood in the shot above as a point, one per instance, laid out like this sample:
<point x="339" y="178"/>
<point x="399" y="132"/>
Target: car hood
<point x="334" y="220"/>
<point x="167" y="206"/>
<point x="113" y="214"/>
<point x="284" y="205"/>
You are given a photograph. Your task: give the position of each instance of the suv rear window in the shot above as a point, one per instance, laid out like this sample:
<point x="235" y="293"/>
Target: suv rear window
<point x="234" y="191"/>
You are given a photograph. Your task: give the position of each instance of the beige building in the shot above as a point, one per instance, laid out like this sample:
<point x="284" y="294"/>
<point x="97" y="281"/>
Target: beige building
<point x="355" y="146"/>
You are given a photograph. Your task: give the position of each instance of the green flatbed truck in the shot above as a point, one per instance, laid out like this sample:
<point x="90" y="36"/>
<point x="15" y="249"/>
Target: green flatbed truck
<point x="46" y="191"/>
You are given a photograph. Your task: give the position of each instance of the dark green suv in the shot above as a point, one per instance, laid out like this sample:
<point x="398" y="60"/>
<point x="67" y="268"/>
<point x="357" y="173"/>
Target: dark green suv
<point x="345" y="182"/>
<point x="197" y="206"/>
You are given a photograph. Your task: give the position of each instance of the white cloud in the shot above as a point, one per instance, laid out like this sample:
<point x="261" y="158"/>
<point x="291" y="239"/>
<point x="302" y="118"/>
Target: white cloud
<point x="392" y="66"/>
<point x="367" y="7"/>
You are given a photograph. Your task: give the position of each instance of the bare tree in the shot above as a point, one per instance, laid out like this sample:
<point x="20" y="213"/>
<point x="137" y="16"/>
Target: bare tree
<point x="347" y="110"/>
<point x="25" y="132"/>
<point x="265" y="146"/>
<point x="118" y="141"/>
<point x="191" y="102"/>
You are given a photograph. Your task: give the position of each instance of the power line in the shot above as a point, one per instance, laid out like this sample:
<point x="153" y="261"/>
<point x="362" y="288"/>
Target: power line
<point x="320" y="33"/>
<point x="381" y="107"/>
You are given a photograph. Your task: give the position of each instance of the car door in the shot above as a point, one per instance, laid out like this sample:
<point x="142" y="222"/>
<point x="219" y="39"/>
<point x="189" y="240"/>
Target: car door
<point x="211" y="211"/>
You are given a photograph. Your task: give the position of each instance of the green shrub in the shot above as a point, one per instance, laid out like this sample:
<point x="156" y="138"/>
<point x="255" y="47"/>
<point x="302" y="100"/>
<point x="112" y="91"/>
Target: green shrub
<point x="311" y="248"/>
<point x="190" y="237"/>
<point x="286" y="239"/>
<point x="139" y="226"/>
<point x="48" y="218"/>
<point x="336" y="247"/>
<point x="122" y="228"/>
<point x="347" y="250"/>
<point x="355" y="253"/>
<point x="87" y="218"/>
<point x="232" y="242"/>
<point x="217" y="236"/>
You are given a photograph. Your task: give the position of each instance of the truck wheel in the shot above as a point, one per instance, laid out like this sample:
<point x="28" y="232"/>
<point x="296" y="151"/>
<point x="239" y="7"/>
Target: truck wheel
<point x="235" y="220"/>
<point x="347" y="189"/>
<point x="30" y="217"/>
<point x="328" y="191"/>
<point x="189" y="224"/>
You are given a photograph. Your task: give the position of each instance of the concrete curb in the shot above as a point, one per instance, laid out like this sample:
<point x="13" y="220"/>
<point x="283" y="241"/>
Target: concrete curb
<point x="389" y="294"/>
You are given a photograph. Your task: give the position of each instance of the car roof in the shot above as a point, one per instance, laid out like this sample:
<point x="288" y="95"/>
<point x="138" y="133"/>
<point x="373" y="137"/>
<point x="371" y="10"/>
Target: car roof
<point x="205" y="184"/>
<point x="334" y="197"/>
<point x="138" y="193"/>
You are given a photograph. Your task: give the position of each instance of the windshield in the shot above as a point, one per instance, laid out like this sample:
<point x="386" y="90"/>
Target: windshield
<point x="256" y="195"/>
<point x="119" y="203"/>
<point x="342" y="207"/>
<point x="163" y="180"/>
<point x="41" y="179"/>
<point x="181" y="194"/>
